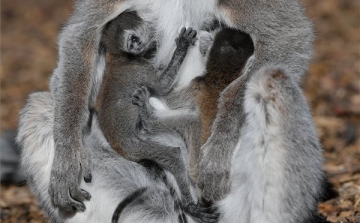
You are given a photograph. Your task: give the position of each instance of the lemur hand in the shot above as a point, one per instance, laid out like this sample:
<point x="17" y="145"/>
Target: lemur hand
<point x="186" y="38"/>
<point x="64" y="180"/>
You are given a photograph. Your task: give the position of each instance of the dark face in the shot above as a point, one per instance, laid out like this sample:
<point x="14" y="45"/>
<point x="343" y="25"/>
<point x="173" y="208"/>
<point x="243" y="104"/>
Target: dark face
<point x="128" y="33"/>
<point x="231" y="48"/>
<point x="134" y="44"/>
<point x="137" y="41"/>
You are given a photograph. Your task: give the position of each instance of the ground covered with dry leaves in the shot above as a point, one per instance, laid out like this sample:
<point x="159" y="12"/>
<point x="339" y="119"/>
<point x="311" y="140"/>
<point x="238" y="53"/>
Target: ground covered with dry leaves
<point x="28" y="56"/>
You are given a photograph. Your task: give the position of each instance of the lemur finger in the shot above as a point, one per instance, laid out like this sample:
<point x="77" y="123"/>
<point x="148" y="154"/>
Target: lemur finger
<point x="81" y="194"/>
<point x="78" y="196"/>
<point x="69" y="208"/>
<point x="188" y="31"/>
<point x="193" y="34"/>
<point x="65" y="202"/>
<point x="182" y="30"/>
<point x="72" y="206"/>
<point x="77" y="206"/>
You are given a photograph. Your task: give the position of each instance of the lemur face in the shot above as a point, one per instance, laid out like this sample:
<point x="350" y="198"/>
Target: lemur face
<point x="138" y="40"/>
<point x="134" y="44"/>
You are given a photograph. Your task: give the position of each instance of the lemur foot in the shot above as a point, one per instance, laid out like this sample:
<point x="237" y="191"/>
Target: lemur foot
<point x="140" y="96"/>
<point x="186" y="38"/>
<point x="202" y="214"/>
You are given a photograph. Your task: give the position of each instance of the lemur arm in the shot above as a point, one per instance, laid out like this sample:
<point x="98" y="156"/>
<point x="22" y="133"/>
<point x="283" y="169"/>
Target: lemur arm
<point x="74" y="87"/>
<point x="164" y="84"/>
<point x="217" y="153"/>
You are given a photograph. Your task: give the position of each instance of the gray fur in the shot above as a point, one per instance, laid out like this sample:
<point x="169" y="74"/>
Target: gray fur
<point x="118" y="116"/>
<point x="114" y="177"/>
<point x="276" y="173"/>
<point x="282" y="35"/>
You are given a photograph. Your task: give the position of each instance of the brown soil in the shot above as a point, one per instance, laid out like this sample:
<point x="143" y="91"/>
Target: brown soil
<point x="28" y="56"/>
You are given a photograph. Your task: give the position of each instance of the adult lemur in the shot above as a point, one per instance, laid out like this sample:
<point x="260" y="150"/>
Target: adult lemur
<point x="127" y="40"/>
<point x="282" y="35"/>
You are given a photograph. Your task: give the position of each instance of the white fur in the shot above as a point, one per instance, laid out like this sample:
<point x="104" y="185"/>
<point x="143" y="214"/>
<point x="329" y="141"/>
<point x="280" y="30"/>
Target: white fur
<point x="97" y="77"/>
<point x="257" y="168"/>
<point x="36" y="138"/>
<point x="162" y="110"/>
<point x="178" y="14"/>
<point x="194" y="65"/>
<point x="157" y="104"/>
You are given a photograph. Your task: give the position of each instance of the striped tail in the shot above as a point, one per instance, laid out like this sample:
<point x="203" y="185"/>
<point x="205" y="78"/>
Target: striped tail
<point x="159" y="172"/>
<point x="128" y="200"/>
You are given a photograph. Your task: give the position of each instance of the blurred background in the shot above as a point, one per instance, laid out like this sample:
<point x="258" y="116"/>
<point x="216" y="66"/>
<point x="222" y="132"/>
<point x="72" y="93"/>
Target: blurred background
<point x="29" y="32"/>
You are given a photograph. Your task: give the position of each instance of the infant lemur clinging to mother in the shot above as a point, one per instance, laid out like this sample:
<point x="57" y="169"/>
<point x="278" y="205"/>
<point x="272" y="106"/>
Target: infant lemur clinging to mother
<point x="114" y="178"/>
<point x="140" y="136"/>
<point x="129" y="44"/>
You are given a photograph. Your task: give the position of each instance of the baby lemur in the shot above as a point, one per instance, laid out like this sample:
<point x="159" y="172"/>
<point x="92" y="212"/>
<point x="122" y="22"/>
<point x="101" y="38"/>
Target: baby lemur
<point x="129" y="43"/>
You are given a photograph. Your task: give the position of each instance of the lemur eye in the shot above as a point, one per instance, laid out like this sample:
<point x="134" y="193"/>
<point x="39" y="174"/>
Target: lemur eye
<point x="134" y="39"/>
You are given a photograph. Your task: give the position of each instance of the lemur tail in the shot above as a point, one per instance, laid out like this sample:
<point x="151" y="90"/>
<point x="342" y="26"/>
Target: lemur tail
<point x="159" y="172"/>
<point x="196" y="212"/>
<point x="128" y="200"/>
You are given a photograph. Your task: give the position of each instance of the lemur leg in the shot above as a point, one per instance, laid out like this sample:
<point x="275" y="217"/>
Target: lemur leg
<point x="217" y="153"/>
<point x="184" y="121"/>
<point x="74" y="86"/>
<point x="170" y="158"/>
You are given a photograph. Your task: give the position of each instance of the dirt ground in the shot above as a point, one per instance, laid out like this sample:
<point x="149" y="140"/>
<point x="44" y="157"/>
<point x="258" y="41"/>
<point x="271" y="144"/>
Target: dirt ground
<point x="28" y="55"/>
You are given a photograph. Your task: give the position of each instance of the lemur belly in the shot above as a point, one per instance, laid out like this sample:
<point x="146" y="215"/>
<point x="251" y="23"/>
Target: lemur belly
<point x="193" y="66"/>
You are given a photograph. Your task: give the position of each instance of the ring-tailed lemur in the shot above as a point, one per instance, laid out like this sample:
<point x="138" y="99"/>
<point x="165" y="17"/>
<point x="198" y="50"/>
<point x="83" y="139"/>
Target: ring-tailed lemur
<point x="128" y="41"/>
